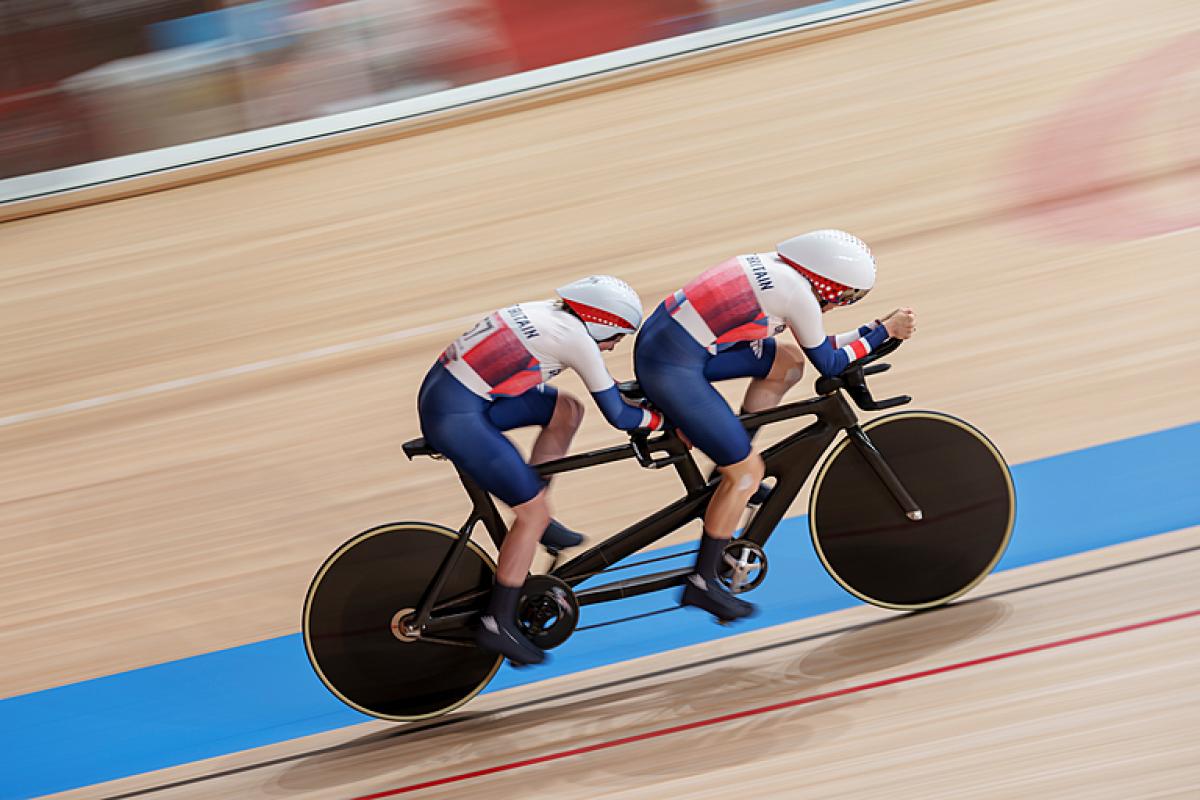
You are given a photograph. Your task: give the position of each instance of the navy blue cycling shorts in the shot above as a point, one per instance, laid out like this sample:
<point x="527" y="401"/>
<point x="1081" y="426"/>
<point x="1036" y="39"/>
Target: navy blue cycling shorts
<point x="677" y="374"/>
<point x="466" y="428"/>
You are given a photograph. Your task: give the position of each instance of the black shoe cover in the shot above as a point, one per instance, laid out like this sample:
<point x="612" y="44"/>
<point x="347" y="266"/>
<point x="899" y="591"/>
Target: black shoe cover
<point x="504" y="638"/>
<point x="710" y="596"/>
<point x="760" y="494"/>
<point x="559" y="537"/>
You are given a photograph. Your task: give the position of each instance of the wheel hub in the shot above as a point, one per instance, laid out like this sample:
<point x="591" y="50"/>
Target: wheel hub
<point x="401" y="627"/>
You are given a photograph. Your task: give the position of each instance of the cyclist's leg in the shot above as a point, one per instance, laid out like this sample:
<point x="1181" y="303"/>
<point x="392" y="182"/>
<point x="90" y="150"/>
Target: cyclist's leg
<point x="738" y="482"/>
<point x="786" y="370"/>
<point x="742" y="360"/>
<point x="555" y="439"/>
<point x="559" y="415"/>
<point x="516" y="556"/>
<point x="676" y="375"/>
<point x="477" y="447"/>
<point x="679" y="388"/>
<point x="774" y="366"/>
<point x="499" y="630"/>
<point x="741" y="469"/>
<point x="456" y="423"/>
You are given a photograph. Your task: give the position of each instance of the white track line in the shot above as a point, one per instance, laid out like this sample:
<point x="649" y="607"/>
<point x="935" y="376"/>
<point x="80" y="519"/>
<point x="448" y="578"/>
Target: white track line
<point x="221" y="374"/>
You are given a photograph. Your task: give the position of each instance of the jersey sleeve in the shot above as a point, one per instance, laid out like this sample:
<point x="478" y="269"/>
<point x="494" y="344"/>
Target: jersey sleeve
<point x="829" y="354"/>
<point x="580" y="353"/>
<point x="843" y="339"/>
<point x="830" y="360"/>
<point x="623" y="415"/>
<point x="804" y="317"/>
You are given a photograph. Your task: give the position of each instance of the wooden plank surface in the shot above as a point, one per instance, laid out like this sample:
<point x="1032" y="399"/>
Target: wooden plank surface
<point x="1112" y="717"/>
<point x="186" y="519"/>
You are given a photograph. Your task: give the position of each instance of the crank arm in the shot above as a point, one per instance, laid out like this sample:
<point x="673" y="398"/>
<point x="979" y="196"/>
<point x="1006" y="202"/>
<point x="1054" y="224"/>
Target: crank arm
<point x="451" y="642"/>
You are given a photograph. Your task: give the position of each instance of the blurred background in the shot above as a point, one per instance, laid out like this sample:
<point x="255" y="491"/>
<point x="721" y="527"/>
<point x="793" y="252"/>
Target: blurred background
<point x="207" y="378"/>
<point x="82" y="80"/>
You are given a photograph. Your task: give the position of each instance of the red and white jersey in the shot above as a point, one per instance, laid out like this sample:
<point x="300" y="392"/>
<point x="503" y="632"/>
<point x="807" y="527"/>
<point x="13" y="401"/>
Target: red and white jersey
<point x="515" y="349"/>
<point x="746" y="298"/>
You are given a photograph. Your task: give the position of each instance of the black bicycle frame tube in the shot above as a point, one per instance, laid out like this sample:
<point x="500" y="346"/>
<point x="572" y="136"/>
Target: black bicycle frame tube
<point x="592" y="458"/>
<point x="483" y="510"/>
<point x="885" y="473"/>
<point x="634" y="538"/>
<point x="789" y="461"/>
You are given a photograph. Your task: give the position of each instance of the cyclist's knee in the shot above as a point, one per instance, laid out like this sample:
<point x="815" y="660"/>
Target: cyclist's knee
<point x="744" y="476"/>
<point x="789" y="364"/>
<point x="757" y="467"/>
<point x="568" y="412"/>
<point x="535" y="511"/>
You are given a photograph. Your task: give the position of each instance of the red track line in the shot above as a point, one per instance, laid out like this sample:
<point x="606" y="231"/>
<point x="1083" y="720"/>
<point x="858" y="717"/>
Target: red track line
<point x="752" y="712"/>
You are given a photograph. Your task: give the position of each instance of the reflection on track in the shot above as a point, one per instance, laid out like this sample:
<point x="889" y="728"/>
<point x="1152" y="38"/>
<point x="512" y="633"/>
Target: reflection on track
<point x="687" y="762"/>
<point x="855" y="649"/>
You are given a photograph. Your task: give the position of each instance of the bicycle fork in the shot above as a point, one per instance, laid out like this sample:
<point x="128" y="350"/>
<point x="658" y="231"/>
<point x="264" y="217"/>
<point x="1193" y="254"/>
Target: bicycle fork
<point x="885" y="473"/>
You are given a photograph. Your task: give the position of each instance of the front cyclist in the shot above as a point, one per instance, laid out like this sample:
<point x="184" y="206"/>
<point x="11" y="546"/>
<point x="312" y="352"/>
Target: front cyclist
<point x="493" y="379"/>
<point x="722" y="325"/>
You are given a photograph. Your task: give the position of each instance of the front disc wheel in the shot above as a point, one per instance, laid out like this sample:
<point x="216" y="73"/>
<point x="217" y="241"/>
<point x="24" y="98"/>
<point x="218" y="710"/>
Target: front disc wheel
<point x="961" y="484"/>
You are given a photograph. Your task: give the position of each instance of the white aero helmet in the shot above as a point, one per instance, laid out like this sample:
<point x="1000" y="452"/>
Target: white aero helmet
<point x="839" y="266"/>
<point x="608" y="306"/>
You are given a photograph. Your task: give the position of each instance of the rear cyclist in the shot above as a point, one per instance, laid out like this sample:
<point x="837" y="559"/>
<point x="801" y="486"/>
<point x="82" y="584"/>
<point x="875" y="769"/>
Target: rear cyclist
<point x="722" y="325"/>
<point x="493" y="379"/>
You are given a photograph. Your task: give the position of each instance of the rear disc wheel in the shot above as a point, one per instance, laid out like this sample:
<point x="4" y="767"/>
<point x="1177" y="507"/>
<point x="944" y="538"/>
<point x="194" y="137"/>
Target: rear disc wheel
<point x="354" y="630"/>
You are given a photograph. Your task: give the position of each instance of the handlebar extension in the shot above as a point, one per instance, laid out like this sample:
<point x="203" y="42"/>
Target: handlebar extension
<point x="643" y="449"/>
<point x="853" y="380"/>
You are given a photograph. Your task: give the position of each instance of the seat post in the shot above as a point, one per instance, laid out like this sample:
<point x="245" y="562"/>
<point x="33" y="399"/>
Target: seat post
<point x="689" y="474"/>
<point x="483" y="508"/>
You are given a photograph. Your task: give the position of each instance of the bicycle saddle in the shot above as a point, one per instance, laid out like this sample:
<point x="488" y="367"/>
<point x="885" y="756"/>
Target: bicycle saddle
<point x="418" y="447"/>
<point x="631" y="390"/>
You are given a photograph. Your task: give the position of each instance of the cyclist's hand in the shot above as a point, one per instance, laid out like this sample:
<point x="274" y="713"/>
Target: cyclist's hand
<point x="901" y="323"/>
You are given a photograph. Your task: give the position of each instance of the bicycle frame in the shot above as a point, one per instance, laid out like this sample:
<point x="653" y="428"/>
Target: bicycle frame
<point x="789" y="461"/>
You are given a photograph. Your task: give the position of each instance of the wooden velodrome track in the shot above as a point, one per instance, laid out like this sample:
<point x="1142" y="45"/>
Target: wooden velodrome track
<point x="1027" y="175"/>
